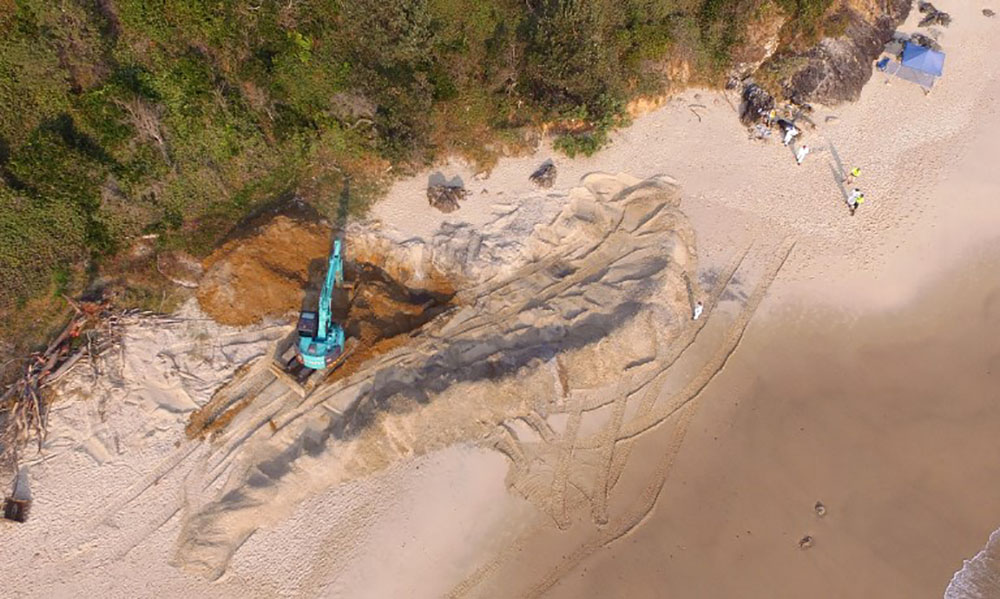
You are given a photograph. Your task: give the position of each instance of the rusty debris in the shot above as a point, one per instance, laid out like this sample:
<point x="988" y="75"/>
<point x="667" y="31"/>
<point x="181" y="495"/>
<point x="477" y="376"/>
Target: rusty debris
<point x="16" y="509"/>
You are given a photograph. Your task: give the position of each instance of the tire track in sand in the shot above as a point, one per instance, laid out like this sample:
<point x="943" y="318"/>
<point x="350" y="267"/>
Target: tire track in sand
<point x="559" y="479"/>
<point x="618" y="457"/>
<point x="683" y="406"/>
<point x="684" y="411"/>
<point x="632" y="519"/>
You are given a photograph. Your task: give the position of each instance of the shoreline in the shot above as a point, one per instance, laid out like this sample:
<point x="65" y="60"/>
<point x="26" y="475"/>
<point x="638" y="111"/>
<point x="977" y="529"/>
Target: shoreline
<point x="951" y="222"/>
<point x="886" y="422"/>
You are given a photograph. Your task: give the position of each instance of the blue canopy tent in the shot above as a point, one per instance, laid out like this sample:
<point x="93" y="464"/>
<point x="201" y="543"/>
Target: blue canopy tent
<point x="923" y="59"/>
<point x="919" y="64"/>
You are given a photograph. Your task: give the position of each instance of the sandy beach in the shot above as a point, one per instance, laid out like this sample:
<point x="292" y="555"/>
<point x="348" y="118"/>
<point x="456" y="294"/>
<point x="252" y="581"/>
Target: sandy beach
<point x="846" y="361"/>
<point x="887" y="422"/>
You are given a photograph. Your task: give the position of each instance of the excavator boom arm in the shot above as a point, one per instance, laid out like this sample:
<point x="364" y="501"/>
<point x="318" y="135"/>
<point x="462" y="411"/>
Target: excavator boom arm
<point x="334" y="278"/>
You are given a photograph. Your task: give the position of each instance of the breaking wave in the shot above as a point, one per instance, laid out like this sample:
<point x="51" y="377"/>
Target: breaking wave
<point x="979" y="577"/>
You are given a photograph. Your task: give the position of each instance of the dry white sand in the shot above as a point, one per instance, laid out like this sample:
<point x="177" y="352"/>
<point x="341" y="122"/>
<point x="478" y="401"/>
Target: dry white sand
<point x="111" y="489"/>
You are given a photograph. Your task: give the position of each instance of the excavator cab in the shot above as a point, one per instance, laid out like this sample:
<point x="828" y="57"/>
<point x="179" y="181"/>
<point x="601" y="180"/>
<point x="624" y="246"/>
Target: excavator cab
<point x="318" y="353"/>
<point x="308" y="324"/>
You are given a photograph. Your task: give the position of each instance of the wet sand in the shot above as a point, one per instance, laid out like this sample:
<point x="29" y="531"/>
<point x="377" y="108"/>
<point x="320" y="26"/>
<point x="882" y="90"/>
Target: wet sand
<point x="890" y="420"/>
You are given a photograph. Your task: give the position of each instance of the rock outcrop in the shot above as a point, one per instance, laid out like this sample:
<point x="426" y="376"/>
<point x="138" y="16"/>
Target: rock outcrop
<point x="837" y="68"/>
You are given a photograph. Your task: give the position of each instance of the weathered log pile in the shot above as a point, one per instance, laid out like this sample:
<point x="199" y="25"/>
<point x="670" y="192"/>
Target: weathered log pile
<point x="23" y="403"/>
<point x="545" y="176"/>
<point x="446" y="197"/>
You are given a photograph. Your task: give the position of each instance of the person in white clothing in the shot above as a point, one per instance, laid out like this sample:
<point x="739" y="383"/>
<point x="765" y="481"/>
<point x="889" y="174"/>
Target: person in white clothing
<point x="698" y="308"/>
<point x="800" y="154"/>
<point x="790" y="132"/>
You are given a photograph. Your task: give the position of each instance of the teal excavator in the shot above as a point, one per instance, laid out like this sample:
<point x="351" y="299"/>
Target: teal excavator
<point x="318" y="345"/>
<point x="321" y="339"/>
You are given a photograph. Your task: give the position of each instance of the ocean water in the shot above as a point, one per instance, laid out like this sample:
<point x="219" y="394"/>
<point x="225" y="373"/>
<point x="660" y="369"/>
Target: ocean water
<point x="979" y="577"/>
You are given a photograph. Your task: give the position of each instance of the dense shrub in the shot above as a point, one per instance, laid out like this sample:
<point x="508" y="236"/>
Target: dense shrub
<point x="180" y="117"/>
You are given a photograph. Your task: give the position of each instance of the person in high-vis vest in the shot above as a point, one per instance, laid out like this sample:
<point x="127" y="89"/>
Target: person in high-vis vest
<point x="855" y="199"/>
<point x="852" y="176"/>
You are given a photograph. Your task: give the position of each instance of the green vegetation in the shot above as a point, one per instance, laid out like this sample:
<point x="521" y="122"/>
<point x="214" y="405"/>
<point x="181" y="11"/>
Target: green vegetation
<point x="181" y="117"/>
<point x="809" y="21"/>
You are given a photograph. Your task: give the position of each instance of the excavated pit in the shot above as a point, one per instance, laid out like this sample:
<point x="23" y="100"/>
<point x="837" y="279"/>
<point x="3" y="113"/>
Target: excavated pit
<point x="261" y="276"/>
<point x="383" y="314"/>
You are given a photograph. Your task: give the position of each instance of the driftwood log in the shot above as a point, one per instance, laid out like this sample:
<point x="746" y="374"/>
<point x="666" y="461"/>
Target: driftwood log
<point x="545" y="176"/>
<point x="446" y="197"/>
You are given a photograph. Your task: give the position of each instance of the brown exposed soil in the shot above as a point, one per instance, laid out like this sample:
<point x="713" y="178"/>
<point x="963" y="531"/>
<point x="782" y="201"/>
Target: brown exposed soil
<point x="377" y="312"/>
<point x="264" y="275"/>
<point x="280" y="270"/>
<point x="217" y="413"/>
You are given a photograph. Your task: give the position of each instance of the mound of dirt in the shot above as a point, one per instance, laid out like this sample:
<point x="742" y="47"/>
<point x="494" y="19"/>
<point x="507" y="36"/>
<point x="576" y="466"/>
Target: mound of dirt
<point x="264" y="275"/>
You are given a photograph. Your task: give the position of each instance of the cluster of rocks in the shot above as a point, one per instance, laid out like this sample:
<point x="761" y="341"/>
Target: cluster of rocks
<point x="756" y="104"/>
<point x="932" y="16"/>
<point x="446" y="196"/>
